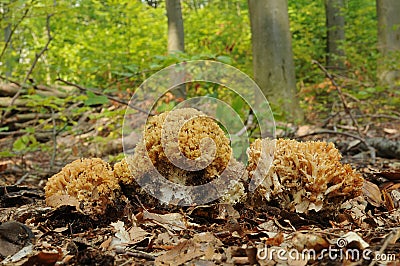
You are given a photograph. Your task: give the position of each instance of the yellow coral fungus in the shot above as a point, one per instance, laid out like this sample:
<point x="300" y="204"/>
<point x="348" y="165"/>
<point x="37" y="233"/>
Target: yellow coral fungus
<point x="91" y="182"/>
<point x="304" y="175"/>
<point x="189" y="149"/>
<point x="183" y="145"/>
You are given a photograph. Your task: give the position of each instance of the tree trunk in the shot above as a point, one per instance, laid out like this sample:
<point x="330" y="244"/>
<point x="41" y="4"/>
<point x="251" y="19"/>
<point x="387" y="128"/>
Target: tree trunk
<point x="272" y="55"/>
<point x="388" y="12"/>
<point x="335" y="32"/>
<point x="175" y="26"/>
<point x="176" y="42"/>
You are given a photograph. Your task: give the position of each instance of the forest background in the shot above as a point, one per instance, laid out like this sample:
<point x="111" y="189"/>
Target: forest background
<point x="69" y="60"/>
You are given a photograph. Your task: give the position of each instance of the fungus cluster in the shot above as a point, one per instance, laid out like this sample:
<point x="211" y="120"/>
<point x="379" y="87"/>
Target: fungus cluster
<point x="91" y="182"/>
<point x="184" y="145"/>
<point x="303" y="176"/>
<point x="189" y="148"/>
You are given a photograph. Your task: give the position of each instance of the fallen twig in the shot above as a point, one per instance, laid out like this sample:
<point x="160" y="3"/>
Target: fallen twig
<point x="19" y="181"/>
<point x="347" y="109"/>
<point x="331" y="132"/>
<point x="339" y="90"/>
<point x="11" y="88"/>
<point x="380" y="116"/>
<point x="140" y="254"/>
<point x="248" y="125"/>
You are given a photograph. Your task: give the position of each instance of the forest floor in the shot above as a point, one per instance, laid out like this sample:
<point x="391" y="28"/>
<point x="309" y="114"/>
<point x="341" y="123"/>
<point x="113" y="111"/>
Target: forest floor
<point x="137" y="233"/>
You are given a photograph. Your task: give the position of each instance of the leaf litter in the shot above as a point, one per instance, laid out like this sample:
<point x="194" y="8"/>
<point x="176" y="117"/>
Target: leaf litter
<point x="253" y="232"/>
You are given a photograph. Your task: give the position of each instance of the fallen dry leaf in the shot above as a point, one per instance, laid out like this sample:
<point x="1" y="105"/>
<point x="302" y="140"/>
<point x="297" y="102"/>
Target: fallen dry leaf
<point x="389" y="204"/>
<point x="181" y="253"/>
<point x="165" y="240"/>
<point x="4" y="165"/>
<point x="122" y="237"/>
<point x="106" y="244"/>
<point x="276" y="240"/>
<point x="202" y="245"/>
<point x="227" y="211"/>
<point x="170" y="221"/>
<point x="58" y="200"/>
<point x="391" y="175"/>
<point x="390" y="131"/>
<point x="372" y="193"/>
<point x="40" y="258"/>
<point x="396" y="197"/>
<point x="268" y="228"/>
<point x="391" y="195"/>
<point x="309" y="240"/>
<point x="137" y="234"/>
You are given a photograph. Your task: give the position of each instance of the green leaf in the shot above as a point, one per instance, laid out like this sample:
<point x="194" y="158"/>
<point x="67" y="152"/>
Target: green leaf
<point x="94" y="99"/>
<point x="224" y="59"/>
<point x="21" y="143"/>
<point x="132" y="68"/>
<point x="122" y="74"/>
<point x="30" y="130"/>
<point x="4" y="154"/>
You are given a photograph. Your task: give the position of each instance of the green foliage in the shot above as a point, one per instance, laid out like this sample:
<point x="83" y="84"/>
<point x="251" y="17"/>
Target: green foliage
<point x="96" y="43"/>
<point x="219" y="28"/>
<point x="113" y="46"/>
<point x="307" y="24"/>
<point x="91" y="39"/>
<point x="27" y="143"/>
<point x="359" y="77"/>
<point x="361" y="38"/>
<point x="93" y="99"/>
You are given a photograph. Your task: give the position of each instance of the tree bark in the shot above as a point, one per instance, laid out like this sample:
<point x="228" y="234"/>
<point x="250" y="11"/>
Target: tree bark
<point x="388" y="41"/>
<point x="175" y="26"/>
<point x="335" y="32"/>
<point x="272" y="55"/>
<point x="176" y="42"/>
